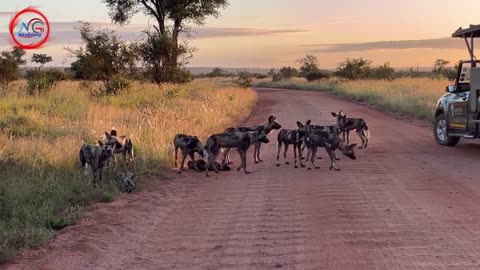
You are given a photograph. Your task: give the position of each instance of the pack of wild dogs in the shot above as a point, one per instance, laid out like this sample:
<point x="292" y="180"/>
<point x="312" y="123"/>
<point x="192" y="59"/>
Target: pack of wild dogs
<point x="305" y="135"/>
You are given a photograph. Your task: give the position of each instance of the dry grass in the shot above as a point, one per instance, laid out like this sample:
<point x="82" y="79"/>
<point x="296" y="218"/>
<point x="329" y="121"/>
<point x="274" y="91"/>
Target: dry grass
<point x="42" y="185"/>
<point x="416" y="97"/>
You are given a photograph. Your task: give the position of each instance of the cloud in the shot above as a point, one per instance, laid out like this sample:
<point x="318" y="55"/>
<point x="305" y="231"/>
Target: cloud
<point x="64" y="33"/>
<point x="207" y="32"/>
<point x="439" y="43"/>
<point x="6" y="14"/>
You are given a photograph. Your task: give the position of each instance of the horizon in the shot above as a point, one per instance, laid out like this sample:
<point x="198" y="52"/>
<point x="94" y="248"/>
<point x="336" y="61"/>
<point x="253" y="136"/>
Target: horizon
<point x="242" y="37"/>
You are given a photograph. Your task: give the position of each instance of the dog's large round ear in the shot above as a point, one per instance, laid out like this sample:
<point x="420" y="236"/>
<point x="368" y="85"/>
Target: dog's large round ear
<point x="308" y="122"/>
<point x="334" y="114"/>
<point x="108" y="135"/>
<point x="271" y="118"/>
<point x="299" y="124"/>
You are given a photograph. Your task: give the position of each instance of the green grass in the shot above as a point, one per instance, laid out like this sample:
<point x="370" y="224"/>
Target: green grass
<point x="43" y="187"/>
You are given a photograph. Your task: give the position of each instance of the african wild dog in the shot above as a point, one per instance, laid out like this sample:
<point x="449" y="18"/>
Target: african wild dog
<point x="329" y="141"/>
<point x="189" y="145"/>
<point x="96" y="156"/>
<point x="333" y="129"/>
<point x="268" y="127"/>
<point x="126" y="181"/>
<point x="348" y="124"/>
<point x="239" y="140"/>
<point x="124" y="145"/>
<point x="289" y="137"/>
<point x="200" y="164"/>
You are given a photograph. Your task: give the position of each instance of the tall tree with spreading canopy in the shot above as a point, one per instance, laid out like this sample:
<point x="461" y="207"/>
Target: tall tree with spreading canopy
<point x="172" y="17"/>
<point x="41" y="59"/>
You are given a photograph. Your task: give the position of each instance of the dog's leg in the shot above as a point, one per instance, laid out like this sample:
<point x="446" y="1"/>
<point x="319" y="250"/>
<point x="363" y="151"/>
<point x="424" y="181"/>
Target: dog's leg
<point x="184" y="156"/>
<point x="285" y="154"/>
<point x="301" y="148"/>
<point x="176" y="156"/>
<point x="331" y="154"/>
<point x="360" y="134"/>
<point x="348" y="137"/>
<point x="314" y="155"/>
<point x="226" y="156"/>
<point x="295" y="146"/>
<point x="255" y="158"/>
<point x="279" y="148"/>
<point x="206" y="158"/>
<point x="195" y="167"/>
<point x="259" y="156"/>
<point x="301" y="155"/>
<point x="243" y="157"/>
<point x="309" y="154"/>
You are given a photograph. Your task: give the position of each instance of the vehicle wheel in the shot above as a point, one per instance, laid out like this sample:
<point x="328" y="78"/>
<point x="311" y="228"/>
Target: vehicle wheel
<point x="440" y="132"/>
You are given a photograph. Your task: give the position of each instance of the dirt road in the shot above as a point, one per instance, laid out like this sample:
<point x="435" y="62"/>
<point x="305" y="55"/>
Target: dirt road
<point x="406" y="203"/>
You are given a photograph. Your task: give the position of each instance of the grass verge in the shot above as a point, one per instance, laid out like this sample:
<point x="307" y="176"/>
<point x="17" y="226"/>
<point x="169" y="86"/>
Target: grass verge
<point x="415" y="97"/>
<point x="43" y="187"/>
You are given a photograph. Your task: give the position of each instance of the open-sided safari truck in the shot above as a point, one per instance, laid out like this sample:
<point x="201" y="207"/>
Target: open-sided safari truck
<point x="458" y="111"/>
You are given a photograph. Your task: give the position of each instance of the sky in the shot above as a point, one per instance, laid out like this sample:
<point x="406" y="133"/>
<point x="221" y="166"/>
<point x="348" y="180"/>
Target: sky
<point x="274" y="33"/>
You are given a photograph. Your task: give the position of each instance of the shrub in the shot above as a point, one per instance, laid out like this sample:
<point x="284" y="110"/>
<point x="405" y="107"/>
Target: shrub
<point x="244" y="79"/>
<point x="316" y="75"/>
<point x="354" y="69"/>
<point x="39" y="82"/>
<point x="115" y="85"/>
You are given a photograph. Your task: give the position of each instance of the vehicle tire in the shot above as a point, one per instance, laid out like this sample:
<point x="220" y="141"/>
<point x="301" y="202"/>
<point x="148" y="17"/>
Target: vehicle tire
<point x="440" y="132"/>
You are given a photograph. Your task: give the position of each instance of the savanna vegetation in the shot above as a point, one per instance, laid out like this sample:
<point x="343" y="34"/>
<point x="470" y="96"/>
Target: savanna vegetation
<point x="411" y="92"/>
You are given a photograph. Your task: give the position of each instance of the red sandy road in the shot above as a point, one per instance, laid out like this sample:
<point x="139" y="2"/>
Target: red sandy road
<point x="406" y="203"/>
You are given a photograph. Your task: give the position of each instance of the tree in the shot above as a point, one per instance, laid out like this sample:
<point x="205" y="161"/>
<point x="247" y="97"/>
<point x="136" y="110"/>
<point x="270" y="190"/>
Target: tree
<point x="288" y="72"/>
<point x="354" y="69"/>
<point x="440" y="66"/>
<point x="308" y="64"/>
<point x="103" y="56"/>
<point x="172" y="18"/>
<point x="217" y="72"/>
<point x="41" y="59"/>
<point x="9" y="63"/>
<point x="276" y="76"/>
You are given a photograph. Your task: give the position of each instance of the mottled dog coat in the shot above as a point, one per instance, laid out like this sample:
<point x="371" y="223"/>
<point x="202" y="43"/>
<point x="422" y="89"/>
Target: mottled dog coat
<point x="267" y="127"/>
<point x="239" y="140"/>
<point x="95" y="156"/>
<point x="189" y="145"/>
<point x="358" y="124"/>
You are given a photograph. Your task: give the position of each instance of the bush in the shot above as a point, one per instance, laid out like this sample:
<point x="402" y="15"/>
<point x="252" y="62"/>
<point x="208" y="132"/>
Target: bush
<point x="244" y="79"/>
<point x="115" y="85"/>
<point x="39" y="82"/>
<point x="316" y="75"/>
<point x="354" y="69"/>
<point x="384" y="72"/>
<point x="57" y="74"/>
<point x="288" y="72"/>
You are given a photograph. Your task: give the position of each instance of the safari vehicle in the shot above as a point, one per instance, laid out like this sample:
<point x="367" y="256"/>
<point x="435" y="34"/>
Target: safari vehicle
<point x="458" y="114"/>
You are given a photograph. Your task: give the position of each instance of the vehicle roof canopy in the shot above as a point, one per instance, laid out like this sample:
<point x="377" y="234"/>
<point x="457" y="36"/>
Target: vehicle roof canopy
<point x="472" y="31"/>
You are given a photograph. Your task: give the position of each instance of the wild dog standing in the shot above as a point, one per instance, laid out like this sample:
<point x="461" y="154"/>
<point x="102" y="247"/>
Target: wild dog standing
<point x="333" y="129"/>
<point x="329" y="141"/>
<point x="289" y="137"/>
<point x="239" y="140"/>
<point x="95" y="156"/>
<point x="268" y="127"/>
<point x="189" y="145"/>
<point x="348" y="124"/>
<point x="124" y="146"/>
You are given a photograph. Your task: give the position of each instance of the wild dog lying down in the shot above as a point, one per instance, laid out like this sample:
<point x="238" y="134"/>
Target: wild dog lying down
<point x="289" y="137"/>
<point x="95" y="156"/>
<point x="239" y="140"/>
<point x="200" y="165"/>
<point x="268" y="127"/>
<point x="357" y="124"/>
<point x="124" y="145"/>
<point x="329" y="141"/>
<point x="189" y="145"/>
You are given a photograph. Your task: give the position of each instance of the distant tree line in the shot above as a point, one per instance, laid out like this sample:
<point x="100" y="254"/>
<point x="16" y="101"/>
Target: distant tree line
<point x="359" y="69"/>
